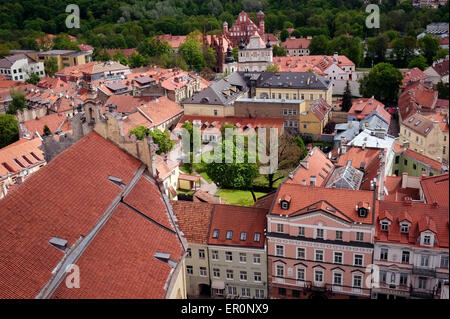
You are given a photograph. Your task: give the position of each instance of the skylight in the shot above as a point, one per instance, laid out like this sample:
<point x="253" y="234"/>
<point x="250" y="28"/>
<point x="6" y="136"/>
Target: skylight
<point x="216" y="233"/>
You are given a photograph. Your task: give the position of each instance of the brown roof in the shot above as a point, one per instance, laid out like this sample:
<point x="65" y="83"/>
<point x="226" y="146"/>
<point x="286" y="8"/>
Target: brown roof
<point x="193" y="219"/>
<point x="54" y="122"/>
<point x="419" y="123"/>
<point x="238" y="219"/>
<point x="363" y="107"/>
<point x="293" y="43"/>
<point x="307" y="198"/>
<point x="423" y="217"/>
<point x="320" y="108"/>
<point x="26" y="152"/>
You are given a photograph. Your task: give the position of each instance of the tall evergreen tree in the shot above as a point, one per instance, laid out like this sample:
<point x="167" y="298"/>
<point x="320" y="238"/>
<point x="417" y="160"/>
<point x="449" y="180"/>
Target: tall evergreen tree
<point x="347" y="98"/>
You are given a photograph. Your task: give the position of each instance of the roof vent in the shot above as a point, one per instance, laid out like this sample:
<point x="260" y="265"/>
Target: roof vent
<point x="116" y="180"/>
<point x="59" y="243"/>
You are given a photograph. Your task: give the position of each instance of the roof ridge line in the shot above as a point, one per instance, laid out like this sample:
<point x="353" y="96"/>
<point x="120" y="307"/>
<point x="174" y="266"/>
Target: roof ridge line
<point x="54" y="282"/>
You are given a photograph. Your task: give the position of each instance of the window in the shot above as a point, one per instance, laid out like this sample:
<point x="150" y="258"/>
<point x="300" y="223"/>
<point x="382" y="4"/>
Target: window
<point x="358" y="260"/>
<point x="444" y="261"/>
<point x="357" y="281"/>
<point x="337" y="258"/>
<point x="216" y="273"/>
<point x="215" y="255"/>
<point x="243" y="276"/>
<point x="397" y="158"/>
<point x="245" y="292"/>
<point x="414" y="166"/>
<point x="359" y="236"/>
<point x="231" y="290"/>
<point x="203" y="271"/>
<point x="393" y="278"/>
<point x="311" y="96"/>
<point x="384" y="254"/>
<point x="301" y="231"/>
<point x="257" y="276"/>
<point x="405" y="256"/>
<point x="319" y="255"/>
<point x="318" y="276"/>
<point x="319" y="233"/>
<point x="338" y="235"/>
<point x="384" y="226"/>
<point x="216" y="233"/>
<point x="280" y="271"/>
<point x="242" y="257"/>
<point x="404" y="228"/>
<point x="403" y="279"/>
<point x="229" y="234"/>
<point x="295" y="293"/>
<point x="427" y="240"/>
<point x="228" y="256"/>
<point x="282" y="291"/>
<point x="189" y="270"/>
<point x="259" y="293"/>
<point x="201" y="253"/>
<point x="337" y="279"/>
<point x="300" y="253"/>
<point x="230" y="275"/>
<point x="405" y="162"/>
<point x="215" y="112"/>
<point x="280" y="228"/>
<point x="188" y="253"/>
<point x="257" y="237"/>
<point x="424" y="260"/>
<point x="279" y="250"/>
<point x="256" y="258"/>
<point x="301" y="274"/>
<point x="243" y="236"/>
<point x="383" y="275"/>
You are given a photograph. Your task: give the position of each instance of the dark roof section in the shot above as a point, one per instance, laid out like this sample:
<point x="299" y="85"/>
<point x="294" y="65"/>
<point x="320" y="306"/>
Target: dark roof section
<point x="294" y="80"/>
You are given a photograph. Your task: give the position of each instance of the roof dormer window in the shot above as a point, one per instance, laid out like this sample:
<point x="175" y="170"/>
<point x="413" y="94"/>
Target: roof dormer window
<point x="404" y="228"/>
<point x="285" y="202"/>
<point x="384" y="225"/>
<point x="427" y="240"/>
<point x="229" y="234"/>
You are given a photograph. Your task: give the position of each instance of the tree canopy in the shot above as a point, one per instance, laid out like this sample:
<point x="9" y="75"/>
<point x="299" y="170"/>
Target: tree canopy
<point x="9" y="129"/>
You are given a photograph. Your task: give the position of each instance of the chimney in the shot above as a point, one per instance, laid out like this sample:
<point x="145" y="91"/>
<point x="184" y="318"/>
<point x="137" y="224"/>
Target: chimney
<point x="405" y="180"/>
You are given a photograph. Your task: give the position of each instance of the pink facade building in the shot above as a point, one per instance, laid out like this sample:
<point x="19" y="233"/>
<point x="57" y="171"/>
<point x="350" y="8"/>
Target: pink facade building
<point x="320" y="242"/>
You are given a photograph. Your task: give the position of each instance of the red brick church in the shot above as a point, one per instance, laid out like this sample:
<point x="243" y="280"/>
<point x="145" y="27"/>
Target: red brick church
<point x="244" y="27"/>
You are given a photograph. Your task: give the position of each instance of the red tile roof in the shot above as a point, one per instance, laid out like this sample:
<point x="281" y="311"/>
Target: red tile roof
<point x="396" y="193"/>
<point x="238" y="219"/>
<point x="293" y="43"/>
<point x="265" y="201"/>
<point x="316" y="164"/>
<point x="412" y="75"/>
<point x="54" y="122"/>
<point x="433" y="164"/>
<point x="316" y="63"/>
<point x="344" y="201"/>
<point x="63" y="199"/>
<point x="174" y="40"/>
<point x="358" y="155"/>
<point x="417" y="96"/>
<point x="435" y="189"/>
<point x="422" y="217"/>
<point x="120" y="262"/>
<point x="127" y="103"/>
<point x="363" y="107"/>
<point x="320" y="108"/>
<point x="22" y="151"/>
<point x="442" y="68"/>
<point x="193" y="219"/>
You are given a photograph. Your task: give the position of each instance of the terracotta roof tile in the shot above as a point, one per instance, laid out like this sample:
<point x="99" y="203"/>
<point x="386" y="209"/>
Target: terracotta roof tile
<point x="22" y="151"/>
<point x="54" y="122"/>
<point x="193" y="219"/>
<point x="435" y="189"/>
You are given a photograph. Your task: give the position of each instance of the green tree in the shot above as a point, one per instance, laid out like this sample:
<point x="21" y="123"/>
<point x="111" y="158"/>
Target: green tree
<point x="284" y="35"/>
<point x="273" y="68"/>
<point x="382" y="82"/>
<point x="140" y="132"/>
<point x="33" y="79"/>
<point x="4" y="50"/>
<point x="440" y="54"/>
<point x="278" y="51"/>
<point x="347" y="98"/>
<point x="429" y="46"/>
<point x="319" y="45"/>
<point x="162" y="139"/>
<point x="418" y="62"/>
<point x="120" y="57"/>
<point x="232" y="175"/>
<point x="301" y="144"/>
<point x="63" y="42"/>
<point x="443" y="90"/>
<point x="209" y="57"/>
<point x="18" y="101"/>
<point x="235" y="53"/>
<point x="192" y="52"/>
<point x="137" y="60"/>
<point x="9" y="129"/>
<point x="103" y="55"/>
<point x="51" y="66"/>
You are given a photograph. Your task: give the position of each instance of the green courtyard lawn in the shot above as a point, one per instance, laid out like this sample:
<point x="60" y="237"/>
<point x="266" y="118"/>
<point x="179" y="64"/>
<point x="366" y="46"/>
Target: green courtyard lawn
<point x="238" y="197"/>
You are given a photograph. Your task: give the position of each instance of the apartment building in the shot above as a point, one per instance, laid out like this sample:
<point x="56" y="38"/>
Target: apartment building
<point x="319" y="242"/>
<point x="411" y="249"/>
<point x="237" y="252"/>
<point x="296" y="47"/>
<point x="19" y="67"/>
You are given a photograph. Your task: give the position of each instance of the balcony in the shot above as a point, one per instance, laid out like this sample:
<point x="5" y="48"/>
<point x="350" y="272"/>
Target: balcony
<point x="422" y="293"/>
<point x="429" y="272"/>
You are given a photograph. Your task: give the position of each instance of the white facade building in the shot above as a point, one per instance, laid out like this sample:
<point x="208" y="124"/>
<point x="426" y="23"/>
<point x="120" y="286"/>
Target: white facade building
<point x="255" y="56"/>
<point x="19" y="67"/>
